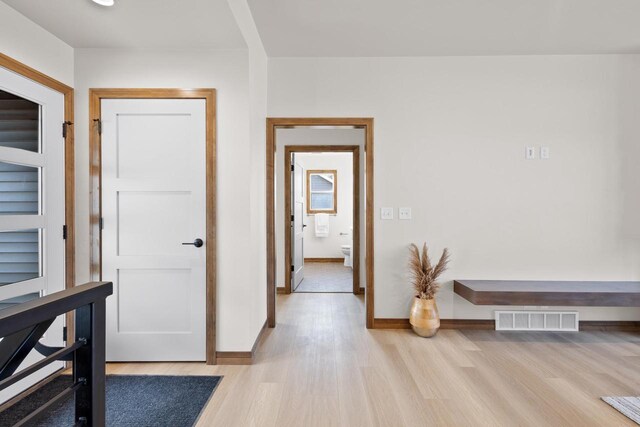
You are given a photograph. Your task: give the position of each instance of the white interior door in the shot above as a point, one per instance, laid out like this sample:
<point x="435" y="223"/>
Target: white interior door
<point x="154" y="208"/>
<point x="32" y="204"/>
<point x="297" y="225"/>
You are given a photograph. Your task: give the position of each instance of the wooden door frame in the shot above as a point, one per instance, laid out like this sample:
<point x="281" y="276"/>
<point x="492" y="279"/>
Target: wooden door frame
<point x="69" y="165"/>
<point x="284" y="122"/>
<point x="95" y="176"/>
<point x="355" y="255"/>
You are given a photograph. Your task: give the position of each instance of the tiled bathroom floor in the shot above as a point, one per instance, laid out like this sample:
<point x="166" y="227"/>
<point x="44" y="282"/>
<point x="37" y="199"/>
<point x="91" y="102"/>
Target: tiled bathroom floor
<point x="326" y="277"/>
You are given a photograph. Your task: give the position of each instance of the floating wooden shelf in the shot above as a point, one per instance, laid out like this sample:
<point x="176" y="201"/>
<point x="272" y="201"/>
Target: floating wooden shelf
<point x="549" y="293"/>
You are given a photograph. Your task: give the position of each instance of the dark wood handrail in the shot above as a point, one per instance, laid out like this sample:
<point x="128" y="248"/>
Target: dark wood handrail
<point x="24" y="315"/>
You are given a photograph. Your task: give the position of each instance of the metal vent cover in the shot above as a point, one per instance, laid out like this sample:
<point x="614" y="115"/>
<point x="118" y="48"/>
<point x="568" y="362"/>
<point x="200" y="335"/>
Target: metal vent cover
<point x="559" y="321"/>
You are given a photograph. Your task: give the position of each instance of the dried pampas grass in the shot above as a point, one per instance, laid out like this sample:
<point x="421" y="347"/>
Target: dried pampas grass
<point x="424" y="275"/>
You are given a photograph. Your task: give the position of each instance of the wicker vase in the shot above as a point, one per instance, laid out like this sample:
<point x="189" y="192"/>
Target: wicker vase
<point x="424" y="317"/>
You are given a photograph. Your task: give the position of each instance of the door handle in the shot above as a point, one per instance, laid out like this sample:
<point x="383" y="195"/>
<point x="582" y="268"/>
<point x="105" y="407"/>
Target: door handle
<point x="197" y="243"/>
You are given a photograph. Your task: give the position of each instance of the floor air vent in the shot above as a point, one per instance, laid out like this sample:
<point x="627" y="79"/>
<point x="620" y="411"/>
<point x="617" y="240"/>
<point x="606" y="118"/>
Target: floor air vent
<point x="537" y="321"/>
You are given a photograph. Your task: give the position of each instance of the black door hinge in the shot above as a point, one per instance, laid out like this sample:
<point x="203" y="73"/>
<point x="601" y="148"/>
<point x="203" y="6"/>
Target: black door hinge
<point x="65" y="126"/>
<point x="292" y="168"/>
<point x="98" y="123"/>
<point x="64" y="232"/>
<point x="101" y="223"/>
<point x="292" y="218"/>
<point x="64" y="333"/>
<point x="293" y="268"/>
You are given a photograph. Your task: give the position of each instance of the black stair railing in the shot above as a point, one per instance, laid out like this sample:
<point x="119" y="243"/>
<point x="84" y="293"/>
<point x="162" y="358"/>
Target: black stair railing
<point x="23" y="325"/>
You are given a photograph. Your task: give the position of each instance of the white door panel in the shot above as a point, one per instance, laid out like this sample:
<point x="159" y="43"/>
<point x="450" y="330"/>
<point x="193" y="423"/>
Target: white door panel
<point x="153" y="201"/>
<point x="164" y="162"/>
<point x="297" y="251"/>
<point x="143" y="217"/>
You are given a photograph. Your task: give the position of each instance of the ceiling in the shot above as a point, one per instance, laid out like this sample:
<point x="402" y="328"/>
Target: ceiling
<point x="446" y="27"/>
<point x="136" y="23"/>
<point x="351" y="27"/>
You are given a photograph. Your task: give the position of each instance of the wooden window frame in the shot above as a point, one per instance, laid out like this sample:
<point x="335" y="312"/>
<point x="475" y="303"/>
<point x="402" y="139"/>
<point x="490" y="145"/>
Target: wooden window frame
<point x="308" y="191"/>
<point x="95" y="178"/>
<point x="289" y="122"/>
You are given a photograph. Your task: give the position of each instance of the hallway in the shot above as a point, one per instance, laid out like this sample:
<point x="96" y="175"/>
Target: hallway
<point x="177" y="176"/>
<point x="321" y="367"/>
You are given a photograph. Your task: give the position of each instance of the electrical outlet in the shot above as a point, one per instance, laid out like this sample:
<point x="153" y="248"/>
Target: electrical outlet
<point x="545" y="153"/>
<point x="530" y="153"/>
<point x="386" y="213"/>
<point x="404" y="213"/>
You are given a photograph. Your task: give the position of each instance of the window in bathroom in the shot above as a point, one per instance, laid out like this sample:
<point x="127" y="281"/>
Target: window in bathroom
<point x="322" y="191"/>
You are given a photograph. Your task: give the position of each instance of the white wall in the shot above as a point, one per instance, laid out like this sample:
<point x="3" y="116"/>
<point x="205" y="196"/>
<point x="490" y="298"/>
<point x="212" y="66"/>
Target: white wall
<point x="450" y="136"/>
<point x="307" y="136"/>
<point x="342" y="221"/>
<point x="257" y="196"/>
<point x="27" y="42"/>
<point x="240" y="78"/>
<point x="228" y="72"/>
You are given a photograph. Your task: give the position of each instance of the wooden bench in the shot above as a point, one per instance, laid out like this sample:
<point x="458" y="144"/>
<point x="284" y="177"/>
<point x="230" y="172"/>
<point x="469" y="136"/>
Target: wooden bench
<point x="549" y="293"/>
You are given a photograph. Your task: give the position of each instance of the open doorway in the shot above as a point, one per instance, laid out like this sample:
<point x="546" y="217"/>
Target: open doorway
<point x="322" y="217"/>
<point x="318" y="135"/>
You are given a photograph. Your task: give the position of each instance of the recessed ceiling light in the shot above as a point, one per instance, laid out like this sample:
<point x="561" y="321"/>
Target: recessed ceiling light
<point x="104" y="2"/>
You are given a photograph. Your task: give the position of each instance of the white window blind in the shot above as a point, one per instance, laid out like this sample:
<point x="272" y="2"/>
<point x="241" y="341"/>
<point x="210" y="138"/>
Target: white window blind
<point x="321" y="188"/>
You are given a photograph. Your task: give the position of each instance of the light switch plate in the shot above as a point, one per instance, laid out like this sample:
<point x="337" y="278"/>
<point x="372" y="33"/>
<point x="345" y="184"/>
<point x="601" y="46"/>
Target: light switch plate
<point x="386" y="213"/>
<point x="530" y="153"/>
<point x="545" y="153"/>
<point x="404" y="213"/>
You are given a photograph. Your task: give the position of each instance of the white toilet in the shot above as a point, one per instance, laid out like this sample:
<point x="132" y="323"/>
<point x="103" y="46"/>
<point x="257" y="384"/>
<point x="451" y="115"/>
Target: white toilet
<point x="346" y="251"/>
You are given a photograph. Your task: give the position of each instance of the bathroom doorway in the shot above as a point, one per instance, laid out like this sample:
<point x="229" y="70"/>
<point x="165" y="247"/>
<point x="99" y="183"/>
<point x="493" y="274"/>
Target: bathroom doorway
<point x="307" y="135"/>
<point x="319" y="210"/>
<point x="321" y="214"/>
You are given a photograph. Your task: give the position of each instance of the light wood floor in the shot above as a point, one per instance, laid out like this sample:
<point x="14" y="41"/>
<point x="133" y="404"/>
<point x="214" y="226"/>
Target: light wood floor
<point x="326" y="277"/>
<point x="321" y="367"/>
